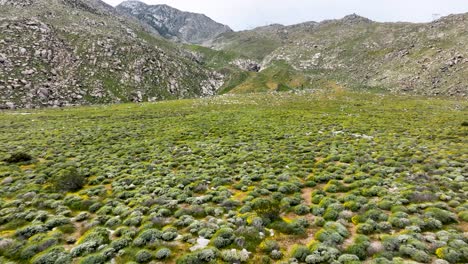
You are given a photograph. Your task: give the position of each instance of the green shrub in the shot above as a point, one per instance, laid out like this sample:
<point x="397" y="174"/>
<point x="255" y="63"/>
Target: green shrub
<point x="94" y="259"/>
<point x="120" y="243"/>
<point x="276" y="254"/>
<point x="269" y="245"/>
<point x="463" y="215"/>
<point x="301" y="209"/>
<point x="163" y="253"/>
<point x="29" y="231"/>
<point x="143" y="256"/>
<point x="99" y="235"/>
<point x="320" y="253"/>
<point x="147" y="237"/>
<point x="443" y="216"/>
<point x="359" y="247"/>
<point x="365" y="228"/>
<point x="349" y="259"/>
<point x="223" y="238"/>
<point x="68" y="180"/>
<point x="300" y="252"/>
<point x="56" y="255"/>
<point x="18" y="157"/>
<point x="451" y="255"/>
<point x="234" y="256"/>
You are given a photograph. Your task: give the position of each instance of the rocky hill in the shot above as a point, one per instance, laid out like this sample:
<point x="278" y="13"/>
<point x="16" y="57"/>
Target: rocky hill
<point x="70" y="52"/>
<point x="355" y="52"/>
<point x="174" y="24"/>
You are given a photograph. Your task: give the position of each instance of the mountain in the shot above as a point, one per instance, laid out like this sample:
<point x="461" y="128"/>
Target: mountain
<point x="174" y="24"/>
<point x="355" y="52"/>
<point x="72" y="52"/>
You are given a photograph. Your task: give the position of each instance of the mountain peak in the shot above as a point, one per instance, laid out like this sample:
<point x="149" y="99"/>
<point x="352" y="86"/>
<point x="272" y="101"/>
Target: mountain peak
<point x="175" y="24"/>
<point x="132" y="4"/>
<point x="355" y="18"/>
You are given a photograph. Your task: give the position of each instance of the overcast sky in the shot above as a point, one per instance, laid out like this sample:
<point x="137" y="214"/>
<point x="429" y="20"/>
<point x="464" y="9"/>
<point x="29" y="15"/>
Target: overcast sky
<point x="246" y="14"/>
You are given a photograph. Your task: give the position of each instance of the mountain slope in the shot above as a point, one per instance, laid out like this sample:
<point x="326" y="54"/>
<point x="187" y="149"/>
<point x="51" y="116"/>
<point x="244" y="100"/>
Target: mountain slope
<point x="174" y="24"/>
<point x="62" y="52"/>
<point x="355" y="52"/>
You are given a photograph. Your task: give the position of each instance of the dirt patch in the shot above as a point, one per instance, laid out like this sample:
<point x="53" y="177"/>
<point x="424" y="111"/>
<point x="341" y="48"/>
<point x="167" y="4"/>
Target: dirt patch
<point x="349" y="241"/>
<point x="307" y="195"/>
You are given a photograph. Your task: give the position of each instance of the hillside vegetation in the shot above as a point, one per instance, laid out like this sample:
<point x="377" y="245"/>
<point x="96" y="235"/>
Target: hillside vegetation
<point x="357" y="53"/>
<point x="324" y="177"/>
<point x="63" y="52"/>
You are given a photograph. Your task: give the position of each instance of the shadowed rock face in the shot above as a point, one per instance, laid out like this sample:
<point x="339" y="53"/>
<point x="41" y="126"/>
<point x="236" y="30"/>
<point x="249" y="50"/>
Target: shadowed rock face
<point x="175" y="24"/>
<point x="63" y="52"/>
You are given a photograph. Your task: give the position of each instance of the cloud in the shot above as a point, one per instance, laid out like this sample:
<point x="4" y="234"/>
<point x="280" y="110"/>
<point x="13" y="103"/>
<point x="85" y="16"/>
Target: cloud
<point x="245" y="14"/>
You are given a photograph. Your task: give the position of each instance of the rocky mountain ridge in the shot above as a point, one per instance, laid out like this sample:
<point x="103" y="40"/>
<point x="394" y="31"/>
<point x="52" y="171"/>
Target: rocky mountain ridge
<point x="355" y="52"/>
<point x="64" y="52"/>
<point x="174" y="24"/>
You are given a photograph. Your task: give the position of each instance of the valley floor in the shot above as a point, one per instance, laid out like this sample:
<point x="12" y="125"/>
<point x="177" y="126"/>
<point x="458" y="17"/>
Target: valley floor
<point x="320" y="177"/>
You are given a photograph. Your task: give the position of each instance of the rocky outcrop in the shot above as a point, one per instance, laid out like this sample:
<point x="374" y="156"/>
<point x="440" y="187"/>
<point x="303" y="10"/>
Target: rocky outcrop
<point x="174" y="24"/>
<point x="247" y="65"/>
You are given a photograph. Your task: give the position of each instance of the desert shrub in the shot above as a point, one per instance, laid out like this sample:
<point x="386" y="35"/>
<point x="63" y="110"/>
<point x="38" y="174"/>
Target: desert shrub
<point x="352" y="205"/>
<point x="398" y="222"/>
<point x="109" y="253"/>
<point x="68" y="180"/>
<point x="143" y="256"/>
<point x="319" y="221"/>
<point x="276" y="254"/>
<point x="56" y="255"/>
<point x="98" y="235"/>
<point x="29" y="231"/>
<point x="112" y="222"/>
<point x="147" y="237"/>
<point x="223" y="238"/>
<point x="84" y="249"/>
<point x="320" y="253"/>
<point x="429" y="223"/>
<point x="120" y="243"/>
<point x="93" y="259"/>
<point x="300" y="252"/>
<point x="234" y="256"/>
<point x="269" y="245"/>
<point x="443" y="216"/>
<point x="294" y="228"/>
<point x="366" y="228"/>
<point x="415" y="254"/>
<point x="169" y="235"/>
<point x="82" y="216"/>
<point x="265" y="208"/>
<point x="207" y="255"/>
<point x="251" y="237"/>
<point x="463" y="215"/>
<point x="202" y="256"/>
<point x="18" y="157"/>
<point x="451" y="255"/>
<point x="385" y="204"/>
<point x="56" y="222"/>
<point x="332" y="233"/>
<point x="317" y="210"/>
<point x="29" y="252"/>
<point x="359" y="247"/>
<point x="38" y="246"/>
<point x="301" y="209"/>
<point x="125" y="232"/>
<point x="384" y="226"/>
<point x="163" y="253"/>
<point x="349" y="259"/>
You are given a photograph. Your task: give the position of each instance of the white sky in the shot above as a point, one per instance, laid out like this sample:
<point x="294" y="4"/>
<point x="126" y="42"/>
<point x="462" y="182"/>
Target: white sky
<point x="246" y="14"/>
